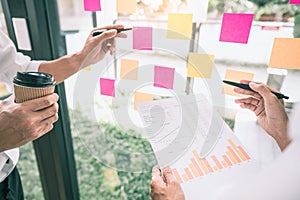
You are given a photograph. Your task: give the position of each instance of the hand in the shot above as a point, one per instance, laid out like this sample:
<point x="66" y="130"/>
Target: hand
<point x="165" y="188"/>
<point x="268" y="109"/>
<point x="25" y="122"/>
<point x="96" y="47"/>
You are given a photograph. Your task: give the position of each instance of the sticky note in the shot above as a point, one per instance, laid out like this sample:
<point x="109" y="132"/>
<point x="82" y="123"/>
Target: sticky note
<point x="295" y="2"/>
<point x="129" y="69"/>
<point x="142" y="38"/>
<point x="126" y="6"/>
<point x="92" y="5"/>
<point x="164" y="77"/>
<point x="107" y="87"/>
<point x="140" y="97"/>
<point x="200" y="65"/>
<point x="88" y="68"/>
<point x="180" y="26"/>
<point x="236" y="76"/>
<point x="236" y="27"/>
<point x="285" y="53"/>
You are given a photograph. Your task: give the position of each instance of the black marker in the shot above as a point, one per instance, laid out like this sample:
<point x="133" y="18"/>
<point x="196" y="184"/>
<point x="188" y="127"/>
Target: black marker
<point x="119" y="30"/>
<point x="246" y="87"/>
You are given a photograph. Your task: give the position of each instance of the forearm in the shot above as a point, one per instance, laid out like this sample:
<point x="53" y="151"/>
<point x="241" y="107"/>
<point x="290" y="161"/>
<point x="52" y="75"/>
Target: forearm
<point x="63" y="67"/>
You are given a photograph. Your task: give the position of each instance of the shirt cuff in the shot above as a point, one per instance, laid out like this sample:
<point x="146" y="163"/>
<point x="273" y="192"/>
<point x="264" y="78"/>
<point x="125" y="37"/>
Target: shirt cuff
<point x="8" y="161"/>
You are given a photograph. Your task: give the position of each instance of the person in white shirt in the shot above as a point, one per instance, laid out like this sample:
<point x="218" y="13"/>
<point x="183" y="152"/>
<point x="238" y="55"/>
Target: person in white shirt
<point x="25" y="122"/>
<point x="281" y="180"/>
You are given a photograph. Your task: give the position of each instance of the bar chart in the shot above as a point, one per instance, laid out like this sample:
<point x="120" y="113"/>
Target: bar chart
<point x="197" y="167"/>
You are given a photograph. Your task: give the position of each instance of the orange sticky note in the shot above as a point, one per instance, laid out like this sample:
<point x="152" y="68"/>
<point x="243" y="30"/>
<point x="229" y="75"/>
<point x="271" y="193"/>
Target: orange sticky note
<point x="126" y="6"/>
<point x="285" y="53"/>
<point x="180" y="26"/>
<point x="200" y="65"/>
<point x="140" y="97"/>
<point x="236" y="76"/>
<point x="129" y="69"/>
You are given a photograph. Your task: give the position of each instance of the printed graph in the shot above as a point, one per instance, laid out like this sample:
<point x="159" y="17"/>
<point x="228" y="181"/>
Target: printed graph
<point x="199" y="167"/>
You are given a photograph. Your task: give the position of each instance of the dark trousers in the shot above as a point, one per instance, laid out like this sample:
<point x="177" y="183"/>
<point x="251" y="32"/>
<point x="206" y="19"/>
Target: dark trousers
<point x="11" y="187"/>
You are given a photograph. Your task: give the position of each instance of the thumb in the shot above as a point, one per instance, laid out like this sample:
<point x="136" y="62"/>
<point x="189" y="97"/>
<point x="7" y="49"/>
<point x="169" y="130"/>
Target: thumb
<point x="108" y="34"/>
<point x="167" y="173"/>
<point x="262" y="89"/>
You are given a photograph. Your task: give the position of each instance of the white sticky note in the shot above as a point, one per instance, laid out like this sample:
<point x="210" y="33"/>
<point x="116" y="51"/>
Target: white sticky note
<point x="22" y="34"/>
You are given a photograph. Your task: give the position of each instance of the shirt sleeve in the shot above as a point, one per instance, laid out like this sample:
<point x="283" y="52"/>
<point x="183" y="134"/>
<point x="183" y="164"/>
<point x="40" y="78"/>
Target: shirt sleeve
<point x="12" y="61"/>
<point x="8" y="161"/>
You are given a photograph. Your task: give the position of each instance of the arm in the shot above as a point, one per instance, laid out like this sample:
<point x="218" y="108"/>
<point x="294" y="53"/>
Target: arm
<point x="165" y="188"/>
<point x="93" y="51"/>
<point x="268" y="109"/>
<point x="25" y="122"/>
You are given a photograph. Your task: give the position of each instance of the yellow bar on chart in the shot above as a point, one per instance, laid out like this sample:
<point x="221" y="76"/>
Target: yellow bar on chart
<point x="194" y="170"/>
<point x="185" y="178"/>
<point x="241" y="155"/>
<point x="214" y="158"/>
<point x="227" y="160"/>
<point x="197" y="167"/>
<point x="207" y="165"/>
<point x="200" y="162"/>
<point x="188" y="173"/>
<point x="224" y="163"/>
<point x="215" y="168"/>
<point x="228" y="153"/>
<point x="234" y="154"/>
<point x="244" y="152"/>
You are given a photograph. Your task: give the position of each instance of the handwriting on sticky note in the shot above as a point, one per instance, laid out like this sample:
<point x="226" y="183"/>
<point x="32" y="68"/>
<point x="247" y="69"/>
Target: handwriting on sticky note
<point x="285" y="53"/>
<point x="294" y="1"/>
<point x="129" y="69"/>
<point x="200" y="65"/>
<point x="142" y="38"/>
<point x="236" y="27"/>
<point x="92" y="5"/>
<point x="140" y="97"/>
<point x="126" y="6"/>
<point x="164" y="77"/>
<point x="107" y="87"/>
<point x="235" y="76"/>
<point x="180" y="26"/>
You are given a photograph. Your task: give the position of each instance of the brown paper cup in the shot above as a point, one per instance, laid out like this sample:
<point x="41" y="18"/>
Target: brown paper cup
<point x="23" y="93"/>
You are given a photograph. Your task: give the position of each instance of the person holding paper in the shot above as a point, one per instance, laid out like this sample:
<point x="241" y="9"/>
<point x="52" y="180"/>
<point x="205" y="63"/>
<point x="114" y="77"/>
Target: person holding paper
<point x="25" y="122"/>
<point x="280" y="180"/>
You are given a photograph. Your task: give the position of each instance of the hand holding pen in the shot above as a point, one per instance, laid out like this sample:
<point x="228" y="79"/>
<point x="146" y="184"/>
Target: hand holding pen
<point x="268" y="108"/>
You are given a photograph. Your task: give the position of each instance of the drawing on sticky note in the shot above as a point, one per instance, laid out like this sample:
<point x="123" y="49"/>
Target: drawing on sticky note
<point x="164" y="77"/>
<point x="129" y="69"/>
<point x="235" y="76"/>
<point x="92" y="5"/>
<point x="180" y="26"/>
<point x="236" y="27"/>
<point x="107" y="87"/>
<point x="142" y="38"/>
<point x="285" y="53"/>
<point x="200" y="65"/>
<point x="140" y="97"/>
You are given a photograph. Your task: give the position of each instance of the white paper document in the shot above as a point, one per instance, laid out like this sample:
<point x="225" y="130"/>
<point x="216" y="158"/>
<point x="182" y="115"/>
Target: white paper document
<point x="178" y="128"/>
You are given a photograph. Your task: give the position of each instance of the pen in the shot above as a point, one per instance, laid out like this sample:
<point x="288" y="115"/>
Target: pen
<point x="246" y="87"/>
<point x="119" y="30"/>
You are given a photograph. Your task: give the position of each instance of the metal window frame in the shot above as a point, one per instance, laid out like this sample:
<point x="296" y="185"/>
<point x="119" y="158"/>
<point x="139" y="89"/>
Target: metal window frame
<point x="54" y="151"/>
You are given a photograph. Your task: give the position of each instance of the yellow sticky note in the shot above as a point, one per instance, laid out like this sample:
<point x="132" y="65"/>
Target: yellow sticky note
<point x="235" y="76"/>
<point x="200" y="65"/>
<point x="88" y="68"/>
<point x="129" y="69"/>
<point x="285" y="53"/>
<point x="140" y="97"/>
<point x="180" y="26"/>
<point x="126" y="6"/>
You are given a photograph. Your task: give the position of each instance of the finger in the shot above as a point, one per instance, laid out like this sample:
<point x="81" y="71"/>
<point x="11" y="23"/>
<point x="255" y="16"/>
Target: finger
<point x="167" y="174"/>
<point x="107" y="35"/>
<point x="247" y="92"/>
<point x="155" y="171"/>
<point x="263" y="90"/>
<point x="122" y="35"/>
<point x="248" y="106"/>
<point x="245" y="82"/>
<point x="248" y="100"/>
<point x="42" y="103"/>
<point x="47" y="112"/>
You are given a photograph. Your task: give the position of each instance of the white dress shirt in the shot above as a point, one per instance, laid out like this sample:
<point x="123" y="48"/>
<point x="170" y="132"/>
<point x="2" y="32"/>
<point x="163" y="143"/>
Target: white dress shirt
<point x="10" y="63"/>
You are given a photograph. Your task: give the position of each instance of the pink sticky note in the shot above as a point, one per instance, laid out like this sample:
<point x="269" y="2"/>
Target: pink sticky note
<point x="295" y="2"/>
<point x="236" y="27"/>
<point x="107" y="87"/>
<point x="92" y="5"/>
<point x="164" y="77"/>
<point x="142" y="38"/>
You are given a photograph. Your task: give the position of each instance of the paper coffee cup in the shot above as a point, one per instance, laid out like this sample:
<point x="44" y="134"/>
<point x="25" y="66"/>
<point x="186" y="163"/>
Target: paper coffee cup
<point x="32" y="85"/>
